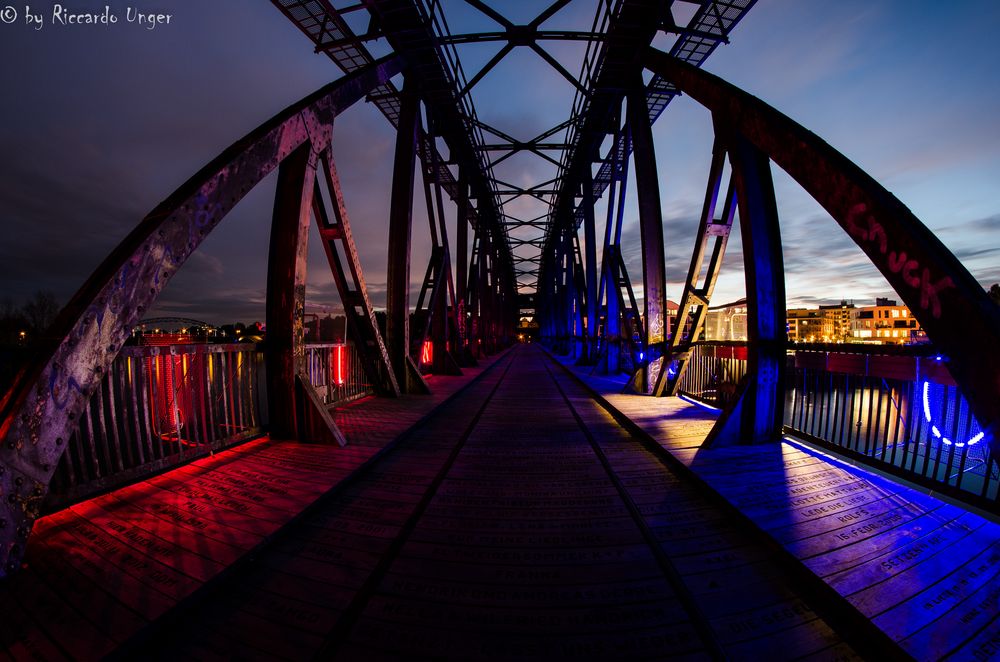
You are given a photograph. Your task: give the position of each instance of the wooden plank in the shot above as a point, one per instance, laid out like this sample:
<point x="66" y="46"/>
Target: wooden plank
<point x="196" y="565"/>
<point x="895" y="551"/>
<point x="938" y="600"/>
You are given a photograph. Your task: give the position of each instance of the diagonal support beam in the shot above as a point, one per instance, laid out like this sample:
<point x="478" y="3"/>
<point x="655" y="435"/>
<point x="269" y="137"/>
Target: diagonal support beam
<point x="361" y="322"/>
<point x="696" y="298"/>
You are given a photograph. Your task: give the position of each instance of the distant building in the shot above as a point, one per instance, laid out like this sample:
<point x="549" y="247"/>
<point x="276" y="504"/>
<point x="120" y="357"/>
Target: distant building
<point x="885" y="323"/>
<point x="809" y="325"/>
<point x="838" y="316"/>
<point x="727" y="322"/>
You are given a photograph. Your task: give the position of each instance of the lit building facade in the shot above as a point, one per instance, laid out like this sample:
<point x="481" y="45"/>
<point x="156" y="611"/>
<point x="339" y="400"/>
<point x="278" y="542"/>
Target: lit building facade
<point x="838" y="316"/>
<point x="807" y="325"/>
<point x="885" y="323"/>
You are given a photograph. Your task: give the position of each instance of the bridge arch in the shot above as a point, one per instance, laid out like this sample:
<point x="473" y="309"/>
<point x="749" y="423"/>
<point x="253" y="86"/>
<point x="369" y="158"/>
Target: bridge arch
<point x="925" y="274"/>
<point x="41" y="408"/>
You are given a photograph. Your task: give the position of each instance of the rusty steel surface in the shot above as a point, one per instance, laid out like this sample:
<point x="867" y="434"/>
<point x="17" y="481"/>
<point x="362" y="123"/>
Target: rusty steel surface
<point x="931" y="281"/>
<point x="397" y="298"/>
<point x="41" y="409"/>
<point x="286" y="287"/>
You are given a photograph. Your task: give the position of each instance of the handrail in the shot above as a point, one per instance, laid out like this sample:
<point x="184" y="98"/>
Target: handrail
<point x="895" y="408"/>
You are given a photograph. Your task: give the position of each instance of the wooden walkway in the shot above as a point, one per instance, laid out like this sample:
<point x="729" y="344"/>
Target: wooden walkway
<point x="925" y="573"/>
<point x="509" y="516"/>
<point x="519" y="522"/>
<point x="99" y="573"/>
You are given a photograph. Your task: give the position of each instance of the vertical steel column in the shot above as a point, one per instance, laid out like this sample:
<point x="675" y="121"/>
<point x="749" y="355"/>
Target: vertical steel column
<point x="574" y="318"/>
<point x="758" y="413"/>
<point x="400" y="225"/>
<point x="610" y="286"/>
<point x="651" y="233"/>
<point x="485" y="296"/>
<point x="461" y="295"/>
<point x="286" y="289"/>
<point x="590" y="270"/>
<point x="607" y="362"/>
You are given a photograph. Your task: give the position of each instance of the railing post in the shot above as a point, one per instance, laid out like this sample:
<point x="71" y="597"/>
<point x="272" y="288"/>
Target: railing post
<point x="286" y="287"/>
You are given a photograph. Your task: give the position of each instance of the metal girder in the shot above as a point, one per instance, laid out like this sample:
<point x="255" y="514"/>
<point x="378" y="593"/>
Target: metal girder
<point x="358" y="310"/>
<point x="437" y="288"/>
<point x="694" y="302"/>
<point x="409" y="30"/>
<point x="595" y="114"/>
<point x="925" y="274"/>
<point x="40" y="410"/>
<point x="590" y="269"/>
<point x="326" y="28"/>
<point x="286" y="290"/>
<point x="647" y="186"/>
<point x="397" y="328"/>
<point x="758" y="413"/>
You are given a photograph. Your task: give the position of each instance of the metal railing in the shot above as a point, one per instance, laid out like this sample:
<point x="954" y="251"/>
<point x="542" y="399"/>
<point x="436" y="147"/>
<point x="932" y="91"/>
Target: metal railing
<point x="159" y="407"/>
<point x="896" y="409"/>
<point x="336" y="372"/>
<point x="714" y="372"/>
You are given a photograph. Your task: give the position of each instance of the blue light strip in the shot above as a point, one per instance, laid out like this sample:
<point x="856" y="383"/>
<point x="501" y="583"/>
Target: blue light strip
<point x="972" y="441"/>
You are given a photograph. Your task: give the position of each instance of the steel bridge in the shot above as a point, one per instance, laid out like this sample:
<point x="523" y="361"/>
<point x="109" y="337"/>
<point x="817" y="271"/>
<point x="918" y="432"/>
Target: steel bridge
<point x="611" y="486"/>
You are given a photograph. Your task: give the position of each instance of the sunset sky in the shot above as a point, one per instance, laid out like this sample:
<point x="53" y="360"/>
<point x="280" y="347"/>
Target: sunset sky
<point x="98" y="124"/>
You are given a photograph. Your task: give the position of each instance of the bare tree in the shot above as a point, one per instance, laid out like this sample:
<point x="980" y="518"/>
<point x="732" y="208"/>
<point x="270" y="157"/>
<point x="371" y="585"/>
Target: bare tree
<point x="41" y="310"/>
